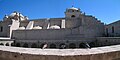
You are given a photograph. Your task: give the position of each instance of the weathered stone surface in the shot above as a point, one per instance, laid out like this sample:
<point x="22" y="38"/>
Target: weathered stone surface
<point x="101" y="53"/>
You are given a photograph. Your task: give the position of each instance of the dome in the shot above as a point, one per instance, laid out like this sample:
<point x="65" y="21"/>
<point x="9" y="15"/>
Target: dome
<point x="21" y="28"/>
<point x="6" y="16"/>
<point x="73" y="8"/>
<point x="37" y="27"/>
<point x="55" y="27"/>
<point x="26" y="18"/>
<point x="14" y="13"/>
<point x="21" y="15"/>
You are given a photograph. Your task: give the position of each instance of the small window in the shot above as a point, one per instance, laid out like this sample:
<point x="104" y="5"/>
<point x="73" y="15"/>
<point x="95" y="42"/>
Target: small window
<point x="73" y="16"/>
<point x="68" y="10"/>
<point x="72" y="10"/>
<point x="106" y="40"/>
<point x="107" y="30"/>
<point x="1" y="29"/>
<point x="112" y="29"/>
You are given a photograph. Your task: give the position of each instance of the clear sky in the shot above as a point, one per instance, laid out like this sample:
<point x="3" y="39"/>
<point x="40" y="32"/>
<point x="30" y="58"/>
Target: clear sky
<point x="106" y="10"/>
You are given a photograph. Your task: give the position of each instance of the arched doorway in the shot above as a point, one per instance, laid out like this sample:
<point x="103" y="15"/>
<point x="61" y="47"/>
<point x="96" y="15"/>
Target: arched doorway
<point x="34" y="45"/>
<point x="43" y="45"/>
<point x="72" y="45"/>
<point x="62" y="46"/>
<point x="25" y="45"/>
<point x="52" y="46"/>
<point x="1" y="44"/>
<point x="17" y="44"/>
<point x="73" y="16"/>
<point x="92" y="44"/>
<point x="84" y="45"/>
<point x="7" y="44"/>
<point x="12" y="44"/>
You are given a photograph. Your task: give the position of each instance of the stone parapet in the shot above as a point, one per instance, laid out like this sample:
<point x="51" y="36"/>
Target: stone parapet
<point x="100" y="53"/>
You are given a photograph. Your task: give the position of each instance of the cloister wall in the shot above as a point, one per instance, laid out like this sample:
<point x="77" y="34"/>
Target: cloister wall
<point x="47" y="34"/>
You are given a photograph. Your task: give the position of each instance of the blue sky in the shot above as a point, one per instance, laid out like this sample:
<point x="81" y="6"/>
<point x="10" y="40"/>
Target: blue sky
<point x="106" y="10"/>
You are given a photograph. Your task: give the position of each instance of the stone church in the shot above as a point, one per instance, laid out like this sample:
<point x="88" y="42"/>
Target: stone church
<point x="71" y="31"/>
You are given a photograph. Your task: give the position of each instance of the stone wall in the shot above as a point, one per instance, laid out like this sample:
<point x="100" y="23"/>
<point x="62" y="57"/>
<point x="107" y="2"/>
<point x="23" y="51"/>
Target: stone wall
<point x="103" y="41"/>
<point x="93" y="27"/>
<point x="49" y="34"/>
<point x="113" y="29"/>
<point x="101" y="53"/>
<point x="5" y="29"/>
<point x="70" y="44"/>
<point x="43" y="22"/>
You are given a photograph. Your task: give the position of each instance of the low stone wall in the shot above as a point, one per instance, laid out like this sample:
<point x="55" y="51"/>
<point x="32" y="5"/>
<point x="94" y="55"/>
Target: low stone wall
<point x="108" y="41"/>
<point x="100" y="53"/>
<point x="6" y="41"/>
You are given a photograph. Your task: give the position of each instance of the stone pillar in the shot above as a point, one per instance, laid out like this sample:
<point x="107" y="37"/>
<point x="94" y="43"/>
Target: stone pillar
<point x="14" y="26"/>
<point x="30" y="25"/>
<point x="63" y="24"/>
<point x="83" y="19"/>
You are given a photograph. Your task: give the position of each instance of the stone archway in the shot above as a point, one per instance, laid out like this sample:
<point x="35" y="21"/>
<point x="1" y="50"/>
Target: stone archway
<point x="62" y="46"/>
<point x="7" y="44"/>
<point x="17" y="44"/>
<point x="25" y="45"/>
<point x="84" y="45"/>
<point x="92" y="44"/>
<point x="12" y="44"/>
<point x="52" y="46"/>
<point x="34" y="45"/>
<point x="73" y="16"/>
<point x="1" y="44"/>
<point x="72" y="45"/>
<point x="43" y="45"/>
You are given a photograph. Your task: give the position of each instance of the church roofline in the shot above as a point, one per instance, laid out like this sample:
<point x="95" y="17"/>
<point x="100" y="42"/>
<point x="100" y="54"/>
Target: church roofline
<point x="114" y="22"/>
<point x="44" y="19"/>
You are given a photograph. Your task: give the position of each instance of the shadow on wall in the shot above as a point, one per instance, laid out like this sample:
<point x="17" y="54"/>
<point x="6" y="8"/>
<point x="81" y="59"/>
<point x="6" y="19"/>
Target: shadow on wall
<point x="54" y="46"/>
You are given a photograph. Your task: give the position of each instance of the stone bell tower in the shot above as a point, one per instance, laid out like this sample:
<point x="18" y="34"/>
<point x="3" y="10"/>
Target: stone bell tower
<point x="72" y="12"/>
<point x="72" y="16"/>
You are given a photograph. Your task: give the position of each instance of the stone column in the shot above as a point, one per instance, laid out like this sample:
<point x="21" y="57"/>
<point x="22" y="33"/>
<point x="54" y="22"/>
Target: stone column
<point x="63" y="24"/>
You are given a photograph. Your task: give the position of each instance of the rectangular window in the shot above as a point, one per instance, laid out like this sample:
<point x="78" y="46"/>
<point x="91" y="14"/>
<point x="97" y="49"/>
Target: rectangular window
<point x="106" y="31"/>
<point x="1" y="29"/>
<point x="112" y="29"/>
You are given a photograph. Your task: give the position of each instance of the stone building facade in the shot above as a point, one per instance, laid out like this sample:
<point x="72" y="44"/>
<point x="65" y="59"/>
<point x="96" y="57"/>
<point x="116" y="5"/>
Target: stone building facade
<point x="113" y="29"/>
<point x="75" y="29"/>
